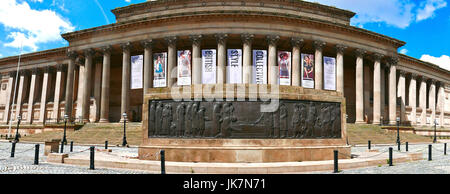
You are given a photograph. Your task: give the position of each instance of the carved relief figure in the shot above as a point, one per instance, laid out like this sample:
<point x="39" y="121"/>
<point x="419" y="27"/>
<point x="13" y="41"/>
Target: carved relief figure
<point x="201" y="121"/>
<point x="151" y="118"/>
<point x="303" y="117"/>
<point x="193" y="118"/>
<point x="283" y="121"/>
<point x="216" y="117"/>
<point x="336" y="121"/>
<point x="166" y="119"/>
<point x="180" y="120"/>
<point x="158" y="117"/>
<point x="188" y="124"/>
<point x="311" y="120"/>
<point x="268" y="119"/>
<point x="295" y="122"/>
<point x="227" y="120"/>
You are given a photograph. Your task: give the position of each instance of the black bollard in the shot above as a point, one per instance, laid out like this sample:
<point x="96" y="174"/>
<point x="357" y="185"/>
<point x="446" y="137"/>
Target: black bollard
<point x="92" y="158"/>
<point x="429" y="152"/>
<point x="163" y="165"/>
<point x="336" y="167"/>
<point x="398" y="146"/>
<point x="390" y="156"/>
<point x="36" y="154"/>
<point x="369" y="145"/>
<point x="406" y="146"/>
<point x="62" y="147"/>
<point x="13" y="149"/>
<point x="106" y="144"/>
<point x="445" y="148"/>
<point x="71" y="146"/>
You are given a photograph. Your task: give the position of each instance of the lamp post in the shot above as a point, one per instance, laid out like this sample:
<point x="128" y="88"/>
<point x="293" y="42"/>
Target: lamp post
<point x="398" y="130"/>
<point x="16" y="139"/>
<point x="124" y="142"/>
<point x="435" y="123"/>
<point x="382" y="120"/>
<point x="64" y="140"/>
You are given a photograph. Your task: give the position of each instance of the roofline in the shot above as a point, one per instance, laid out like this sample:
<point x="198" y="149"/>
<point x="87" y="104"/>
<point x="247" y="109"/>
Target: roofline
<point x="432" y="65"/>
<point x="32" y="54"/>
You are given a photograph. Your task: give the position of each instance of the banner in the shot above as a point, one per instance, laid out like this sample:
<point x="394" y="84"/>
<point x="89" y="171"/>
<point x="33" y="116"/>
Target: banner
<point x="184" y="68"/>
<point x="137" y="63"/>
<point x="329" y="73"/>
<point x="159" y="72"/>
<point x="284" y="64"/>
<point x="209" y="66"/>
<point x="259" y="67"/>
<point x="307" y="71"/>
<point x="234" y="67"/>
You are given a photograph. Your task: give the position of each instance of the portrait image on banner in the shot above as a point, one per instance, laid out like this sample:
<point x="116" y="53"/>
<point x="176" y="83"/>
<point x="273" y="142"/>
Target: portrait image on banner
<point x="234" y="66"/>
<point x="159" y="72"/>
<point x="284" y="64"/>
<point x="209" y="66"/>
<point x="184" y="68"/>
<point x="259" y="67"/>
<point x="307" y="71"/>
<point x="329" y="67"/>
<point x="137" y="65"/>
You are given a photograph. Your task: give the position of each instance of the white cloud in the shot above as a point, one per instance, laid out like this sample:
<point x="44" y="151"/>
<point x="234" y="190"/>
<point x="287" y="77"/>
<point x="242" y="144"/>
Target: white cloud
<point x="398" y="13"/>
<point x="443" y="61"/>
<point x="404" y="51"/>
<point x="40" y="1"/>
<point x="428" y="9"/>
<point x="29" y="26"/>
<point x="127" y="1"/>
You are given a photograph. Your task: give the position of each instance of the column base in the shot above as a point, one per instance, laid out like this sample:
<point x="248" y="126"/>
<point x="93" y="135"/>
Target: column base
<point x="103" y="121"/>
<point x="86" y="121"/>
<point x="392" y="122"/>
<point x="376" y="122"/>
<point x="360" y="122"/>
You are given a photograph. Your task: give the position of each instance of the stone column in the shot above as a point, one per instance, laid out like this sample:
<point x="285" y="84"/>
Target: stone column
<point x="402" y="94"/>
<point x="104" y="106"/>
<point x="423" y="101"/>
<point x="148" y="65"/>
<point x="80" y="90"/>
<point x="33" y="88"/>
<point x="273" y="71"/>
<point x="441" y="101"/>
<point x="171" y="60"/>
<point x="393" y="91"/>
<point x="377" y="88"/>
<point x="21" y="91"/>
<point x="221" y="57"/>
<point x="340" y="68"/>
<point x="432" y="100"/>
<point x="412" y="99"/>
<point x="85" y="104"/>
<point x="196" y="59"/>
<point x="69" y="85"/>
<point x="359" y="85"/>
<point x="247" y="40"/>
<point x="318" y="65"/>
<point x="45" y="87"/>
<point x="125" y="98"/>
<point x="58" y="91"/>
<point x="9" y="94"/>
<point x="296" y="58"/>
<point x="383" y="93"/>
<point x="97" y="90"/>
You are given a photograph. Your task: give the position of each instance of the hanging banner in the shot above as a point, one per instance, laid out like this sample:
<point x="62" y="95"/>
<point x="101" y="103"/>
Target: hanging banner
<point x="259" y="67"/>
<point x="209" y="66"/>
<point x="329" y="73"/>
<point x="234" y="68"/>
<point x="307" y="71"/>
<point x="137" y="63"/>
<point x="284" y="64"/>
<point x="184" y="68"/>
<point x="159" y="73"/>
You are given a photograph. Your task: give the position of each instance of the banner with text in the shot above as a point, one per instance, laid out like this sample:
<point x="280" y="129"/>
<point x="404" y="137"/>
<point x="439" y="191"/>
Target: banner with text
<point x="307" y="71"/>
<point x="329" y="77"/>
<point x="137" y="64"/>
<point x="184" y="68"/>
<point x="234" y="67"/>
<point x="259" y="67"/>
<point x="284" y="64"/>
<point x="159" y="73"/>
<point x="209" y="66"/>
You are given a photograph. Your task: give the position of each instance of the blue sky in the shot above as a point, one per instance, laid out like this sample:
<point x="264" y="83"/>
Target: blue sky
<point x="37" y="24"/>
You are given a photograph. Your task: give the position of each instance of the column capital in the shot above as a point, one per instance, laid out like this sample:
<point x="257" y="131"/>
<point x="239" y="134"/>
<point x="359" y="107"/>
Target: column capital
<point x="171" y="40"/>
<point x="340" y="48"/>
<point x="106" y="49"/>
<point x="60" y="67"/>
<point x="79" y="61"/>
<point x="147" y="43"/>
<point x="48" y="69"/>
<point x="24" y="72"/>
<point x="12" y="73"/>
<point x="196" y="39"/>
<point x="318" y="44"/>
<point x="402" y="73"/>
<point x="377" y="56"/>
<point x="72" y="55"/>
<point x="414" y="76"/>
<point x="35" y="71"/>
<point x="360" y="52"/>
<point x="247" y="38"/>
<point x="89" y="52"/>
<point x="296" y="41"/>
<point x="432" y="81"/>
<point x="272" y="39"/>
<point x="221" y="38"/>
<point x="126" y="46"/>
<point x="393" y="61"/>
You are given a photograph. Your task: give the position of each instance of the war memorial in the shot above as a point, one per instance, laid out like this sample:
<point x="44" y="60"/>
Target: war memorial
<point x="228" y="81"/>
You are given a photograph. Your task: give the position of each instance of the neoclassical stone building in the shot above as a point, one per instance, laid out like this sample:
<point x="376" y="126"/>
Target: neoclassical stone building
<point x="90" y="79"/>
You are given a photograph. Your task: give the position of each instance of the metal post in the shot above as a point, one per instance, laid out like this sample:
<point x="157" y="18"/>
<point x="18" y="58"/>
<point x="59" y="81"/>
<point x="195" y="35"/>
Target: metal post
<point x="16" y="139"/>
<point x="13" y="149"/>
<point x="336" y="167"/>
<point x="429" y="152"/>
<point x="398" y="132"/>
<point x="36" y="154"/>
<point x="445" y="148"/>
<point x="163" y="165"/>
<point x="106" y="144"/>
<point x="64" y="141"/>
<point x="71" y="146"/>
<point x="434" y="139"/>
<point x="369" y="145"/>
<point x="62" y="147"/>
<point x="92" y="148"/>
<point x="124" y="141"/>
<point x="398" y="146"/>
<point x="406" y="146"/>
<point x="390" y="156"/>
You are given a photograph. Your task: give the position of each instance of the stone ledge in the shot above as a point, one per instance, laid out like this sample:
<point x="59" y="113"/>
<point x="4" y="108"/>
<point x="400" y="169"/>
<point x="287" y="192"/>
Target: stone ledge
<point x="56" y="157"/>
